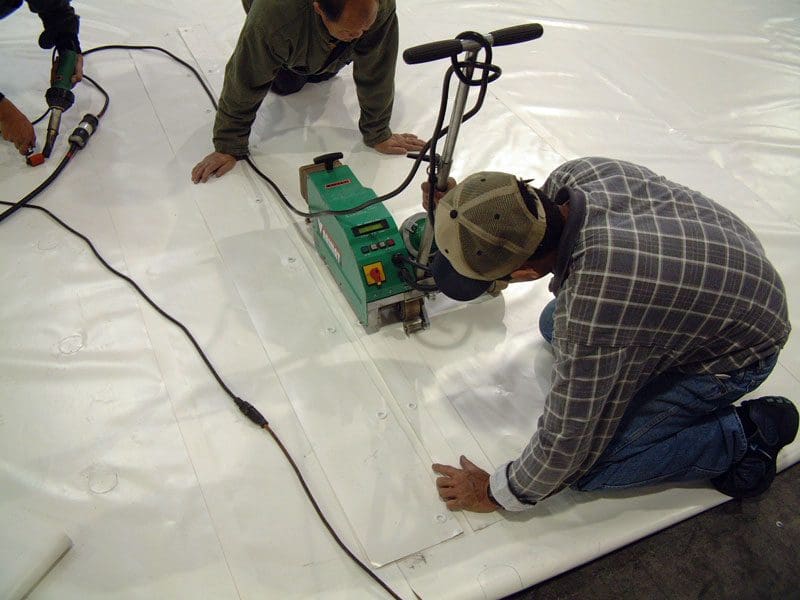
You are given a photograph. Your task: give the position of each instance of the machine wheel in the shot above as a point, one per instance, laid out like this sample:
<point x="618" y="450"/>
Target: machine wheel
<point x="413" y="315"/>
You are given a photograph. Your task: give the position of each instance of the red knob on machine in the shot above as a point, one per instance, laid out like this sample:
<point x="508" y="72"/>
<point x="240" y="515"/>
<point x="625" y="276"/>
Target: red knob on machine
<point x="377" y="275"/>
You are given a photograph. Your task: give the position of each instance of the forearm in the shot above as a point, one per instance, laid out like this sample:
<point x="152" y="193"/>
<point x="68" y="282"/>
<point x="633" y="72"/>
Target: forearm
<point x="61" y="24"/>
<point x="233" y="122"/>
<point x="248" y="76"/>
<point x="589" y="393"/>
<point x="373" y="73"/>
<point x="540" y="471"/>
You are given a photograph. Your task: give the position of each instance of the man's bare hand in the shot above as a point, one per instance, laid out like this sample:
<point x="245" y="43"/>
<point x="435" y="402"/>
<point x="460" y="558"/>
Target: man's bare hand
<point x="400" y="143"/>
<point x="437" y="195"/>
<point x="465" y="488"/>
<point x="216" y="163"/>
<point x="15" y="127"/>
<point x="76" y="77"/>
<point x="78" y="70"/>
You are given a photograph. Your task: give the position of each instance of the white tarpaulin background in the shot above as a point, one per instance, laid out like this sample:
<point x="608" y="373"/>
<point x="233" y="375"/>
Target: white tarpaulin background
<point x="112" y="428"/>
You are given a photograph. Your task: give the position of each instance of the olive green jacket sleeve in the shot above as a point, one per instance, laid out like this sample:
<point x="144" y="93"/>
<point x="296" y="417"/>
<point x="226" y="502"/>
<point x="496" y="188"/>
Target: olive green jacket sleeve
<point x="248" y="75"/>
<point x="373" y="72"/>
<point x="61" y="24"/>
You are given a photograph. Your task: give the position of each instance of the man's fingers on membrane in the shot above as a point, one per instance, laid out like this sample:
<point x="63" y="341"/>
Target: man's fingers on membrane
<point x="448" y="494"/>
<point x="445" y="470"/>
<point x="444" y="482"/>
<point x="203" y="173"/>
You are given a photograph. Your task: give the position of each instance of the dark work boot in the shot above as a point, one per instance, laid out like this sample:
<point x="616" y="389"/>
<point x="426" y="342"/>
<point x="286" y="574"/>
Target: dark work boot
<point x="288" y="82"/>
<point x="770" y="423"/>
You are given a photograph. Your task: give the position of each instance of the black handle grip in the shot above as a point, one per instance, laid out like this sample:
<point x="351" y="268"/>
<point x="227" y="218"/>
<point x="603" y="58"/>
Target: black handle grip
<point x="432" y="51"/>
<point x="328" y="159"/>
<point x="516" y="34"/>
<point x="443" y="49"/>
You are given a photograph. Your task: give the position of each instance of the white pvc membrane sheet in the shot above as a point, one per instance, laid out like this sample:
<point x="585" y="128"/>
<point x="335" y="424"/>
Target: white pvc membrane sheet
<point x="111" y="427"/>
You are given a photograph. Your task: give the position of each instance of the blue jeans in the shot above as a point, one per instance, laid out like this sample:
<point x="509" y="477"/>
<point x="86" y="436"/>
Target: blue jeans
<point x="678" y="427"/>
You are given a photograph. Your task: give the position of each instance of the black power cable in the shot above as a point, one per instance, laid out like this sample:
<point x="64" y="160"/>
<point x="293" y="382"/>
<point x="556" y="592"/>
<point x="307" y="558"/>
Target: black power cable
<point x="440" y="131"/>
<point x="73" y="149"/>
<point x="41" y="118"/>
<point x="250" y="411"/>
<point x="15" y="206"/>
<point x="247" y="409"/>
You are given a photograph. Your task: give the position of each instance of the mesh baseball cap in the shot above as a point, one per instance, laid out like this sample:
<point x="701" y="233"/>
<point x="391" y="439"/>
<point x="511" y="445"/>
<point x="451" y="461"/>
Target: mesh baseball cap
<point x="485" y="230"/>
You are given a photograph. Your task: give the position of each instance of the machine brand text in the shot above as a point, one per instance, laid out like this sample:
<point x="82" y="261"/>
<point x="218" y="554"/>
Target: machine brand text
<point x="326" y="237"/>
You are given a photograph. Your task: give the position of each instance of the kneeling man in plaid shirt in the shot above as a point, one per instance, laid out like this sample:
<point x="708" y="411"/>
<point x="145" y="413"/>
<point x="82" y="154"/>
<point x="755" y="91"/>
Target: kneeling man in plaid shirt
<point x="666" y="312"/>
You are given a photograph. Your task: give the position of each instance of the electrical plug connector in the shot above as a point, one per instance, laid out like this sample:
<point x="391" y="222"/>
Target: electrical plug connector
<point x="85" y="129"/>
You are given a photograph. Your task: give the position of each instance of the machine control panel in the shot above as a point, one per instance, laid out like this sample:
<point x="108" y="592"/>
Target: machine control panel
<point x="359" y="248"/>
<point x="380" y="245"/>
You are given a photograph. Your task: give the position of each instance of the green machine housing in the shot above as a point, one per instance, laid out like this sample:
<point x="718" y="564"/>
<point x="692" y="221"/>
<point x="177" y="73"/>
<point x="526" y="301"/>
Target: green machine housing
<point x="358" y="248"/>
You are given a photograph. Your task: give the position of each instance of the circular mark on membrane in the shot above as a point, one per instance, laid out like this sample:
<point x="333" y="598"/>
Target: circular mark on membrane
<point x="102" y="478"/>
<point x="72" y="343"/>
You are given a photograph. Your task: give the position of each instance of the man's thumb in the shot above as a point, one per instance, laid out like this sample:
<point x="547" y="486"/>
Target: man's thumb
<point x="466" y="464"/>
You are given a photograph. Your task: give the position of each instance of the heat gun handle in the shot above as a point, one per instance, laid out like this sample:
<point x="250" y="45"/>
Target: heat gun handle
<point x="67" y="60"/>
<point x="445" y="48"/>
<point x="516" y="34"/>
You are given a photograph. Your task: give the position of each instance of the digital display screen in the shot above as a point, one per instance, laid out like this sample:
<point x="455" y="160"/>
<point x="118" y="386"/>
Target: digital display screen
<point x="370" y="227"/>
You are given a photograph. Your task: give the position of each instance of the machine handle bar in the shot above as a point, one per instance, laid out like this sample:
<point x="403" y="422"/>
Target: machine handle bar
<point x="516" y="34"/>
<point x="446" y="48"/>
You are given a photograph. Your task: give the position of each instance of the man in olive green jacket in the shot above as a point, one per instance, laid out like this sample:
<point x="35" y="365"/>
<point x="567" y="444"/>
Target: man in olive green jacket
<point x="286" y="43"/>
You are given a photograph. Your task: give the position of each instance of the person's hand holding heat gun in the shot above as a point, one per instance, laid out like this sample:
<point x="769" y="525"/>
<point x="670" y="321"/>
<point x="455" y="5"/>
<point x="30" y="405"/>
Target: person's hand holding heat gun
<point x="15" y="127"/>
<point x="77" y="75"/>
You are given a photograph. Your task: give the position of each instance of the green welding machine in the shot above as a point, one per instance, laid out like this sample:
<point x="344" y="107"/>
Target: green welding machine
<point x="384" y="272"/>
<point x="364" y="251"/>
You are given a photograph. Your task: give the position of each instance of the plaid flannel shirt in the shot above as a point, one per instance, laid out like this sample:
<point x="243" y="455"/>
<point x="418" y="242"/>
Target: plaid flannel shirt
<point x="650" y="277"/>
